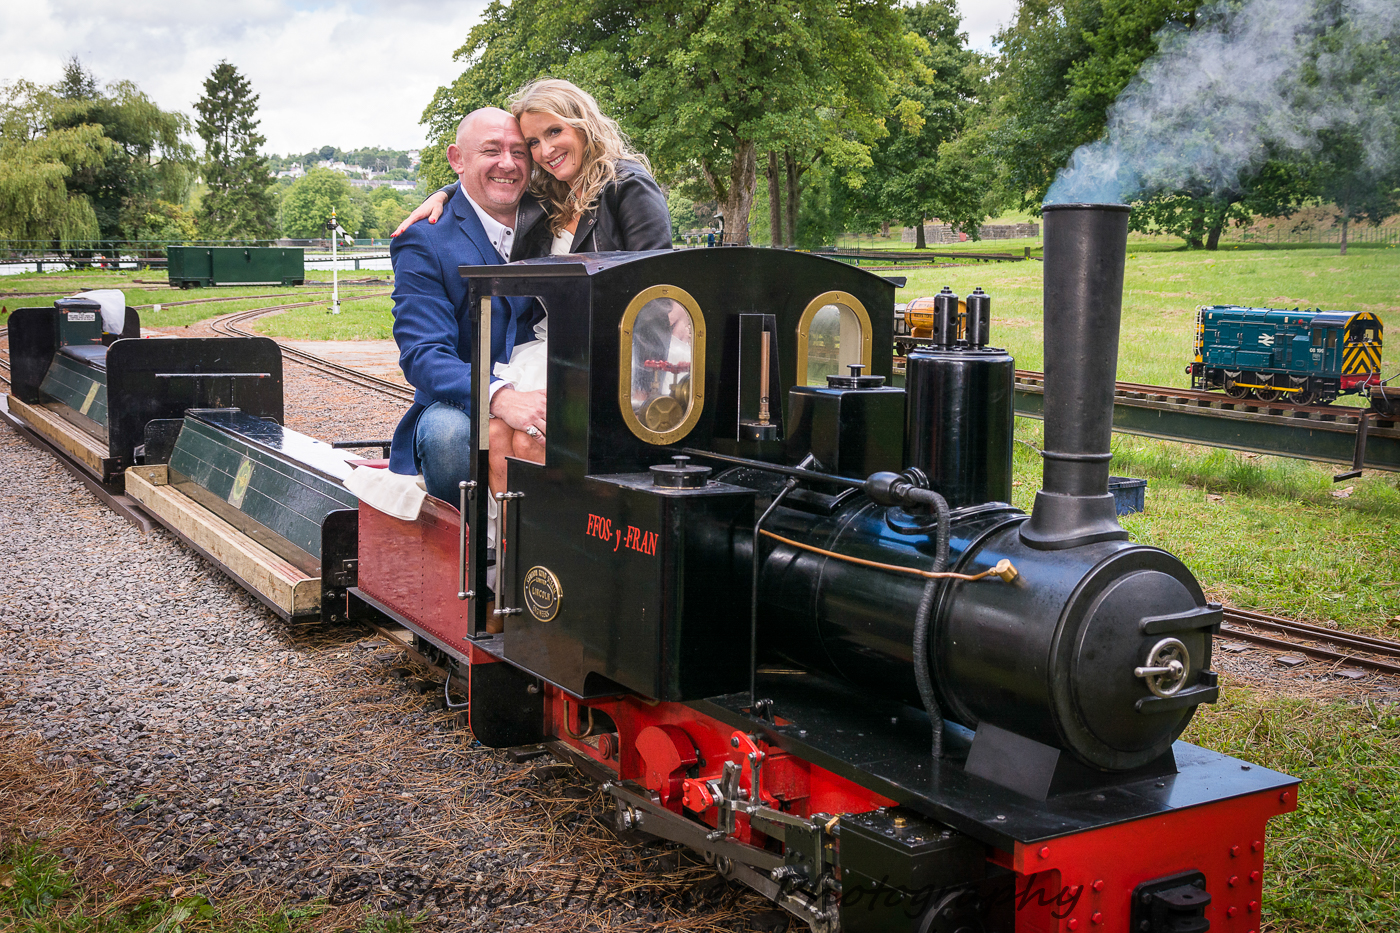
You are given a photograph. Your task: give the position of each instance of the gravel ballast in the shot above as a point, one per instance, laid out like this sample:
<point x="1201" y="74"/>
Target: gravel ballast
<point x="242" y="758"/>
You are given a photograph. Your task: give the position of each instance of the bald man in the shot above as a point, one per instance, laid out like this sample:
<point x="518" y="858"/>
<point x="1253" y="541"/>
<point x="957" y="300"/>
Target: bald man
<point x="431" y="321"/>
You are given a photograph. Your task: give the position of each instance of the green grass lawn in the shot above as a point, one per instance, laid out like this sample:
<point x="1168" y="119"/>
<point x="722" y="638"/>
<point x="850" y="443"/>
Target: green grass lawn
<point x="1333" y="865"/>
<point x="1261" y="533"/>
<point x="40" y="893"/>
<point x="1164" y="287"/>
<point x="178" y="307"/>
<point x="371" y="319"/>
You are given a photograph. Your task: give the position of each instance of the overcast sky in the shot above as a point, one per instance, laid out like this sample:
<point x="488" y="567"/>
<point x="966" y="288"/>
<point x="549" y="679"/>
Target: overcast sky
<point x="350" y="73"/>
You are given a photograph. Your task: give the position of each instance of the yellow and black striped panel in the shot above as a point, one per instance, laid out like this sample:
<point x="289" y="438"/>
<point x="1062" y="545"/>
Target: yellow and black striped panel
<point x="1361" y="358"/>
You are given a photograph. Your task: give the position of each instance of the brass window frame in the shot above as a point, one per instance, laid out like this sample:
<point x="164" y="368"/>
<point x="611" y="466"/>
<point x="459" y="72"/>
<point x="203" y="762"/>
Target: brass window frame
<point x="697" y="364"/>
<point x="804" y="325"/>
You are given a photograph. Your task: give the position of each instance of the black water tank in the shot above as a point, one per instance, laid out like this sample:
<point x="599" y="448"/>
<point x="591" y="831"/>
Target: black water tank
<point x="958" y="422"/>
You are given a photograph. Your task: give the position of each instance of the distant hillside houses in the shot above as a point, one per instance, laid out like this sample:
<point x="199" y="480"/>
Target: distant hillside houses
<point x="398" y="184"/>
<point x="366" y="168"/>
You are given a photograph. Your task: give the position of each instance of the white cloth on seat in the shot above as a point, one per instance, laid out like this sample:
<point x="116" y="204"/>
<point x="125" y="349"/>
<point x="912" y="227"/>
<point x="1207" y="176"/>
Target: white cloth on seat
<point x="113" y="302"/>
<point x="394" y="494"/>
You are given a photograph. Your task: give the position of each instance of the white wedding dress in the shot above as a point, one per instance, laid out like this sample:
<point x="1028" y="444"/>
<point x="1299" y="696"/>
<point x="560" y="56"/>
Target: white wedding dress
<point x="526" y="369"/>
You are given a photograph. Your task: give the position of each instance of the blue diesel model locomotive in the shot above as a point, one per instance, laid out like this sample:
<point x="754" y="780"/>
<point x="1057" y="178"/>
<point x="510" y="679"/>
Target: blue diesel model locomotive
<point x="1306" y="357"/>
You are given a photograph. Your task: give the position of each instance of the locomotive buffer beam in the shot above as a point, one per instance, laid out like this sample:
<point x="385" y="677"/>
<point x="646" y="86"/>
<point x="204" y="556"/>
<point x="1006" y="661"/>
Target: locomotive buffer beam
<point x="1268" y="430"/>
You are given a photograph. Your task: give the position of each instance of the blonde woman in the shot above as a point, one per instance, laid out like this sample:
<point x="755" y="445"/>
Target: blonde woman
<point x="589" y="192"/>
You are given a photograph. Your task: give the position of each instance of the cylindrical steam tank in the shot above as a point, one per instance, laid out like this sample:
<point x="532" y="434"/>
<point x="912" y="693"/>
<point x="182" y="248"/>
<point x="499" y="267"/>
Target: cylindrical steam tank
<point x="1064" y="654"/>
<point x="959" y="409"/>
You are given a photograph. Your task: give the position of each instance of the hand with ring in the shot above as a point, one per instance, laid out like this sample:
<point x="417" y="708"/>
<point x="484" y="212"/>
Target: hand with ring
<point x="531" y="430"/>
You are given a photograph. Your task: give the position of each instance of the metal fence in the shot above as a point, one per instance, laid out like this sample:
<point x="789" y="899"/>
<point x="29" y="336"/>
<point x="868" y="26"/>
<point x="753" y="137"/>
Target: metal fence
<point x="100" y="254"/>
<point x="1321" y="236"/>
<point x="143" y="254"/>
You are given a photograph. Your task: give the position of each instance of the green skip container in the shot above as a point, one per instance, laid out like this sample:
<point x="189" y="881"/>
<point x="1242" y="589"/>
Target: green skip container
<point x="204" y="266"/>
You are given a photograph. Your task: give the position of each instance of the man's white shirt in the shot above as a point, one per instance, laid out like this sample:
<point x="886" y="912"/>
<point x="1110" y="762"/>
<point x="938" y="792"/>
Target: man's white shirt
<point x="502" y="238"/>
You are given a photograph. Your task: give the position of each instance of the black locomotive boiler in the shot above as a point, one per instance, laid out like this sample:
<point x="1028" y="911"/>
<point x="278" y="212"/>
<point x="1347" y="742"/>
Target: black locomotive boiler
<point x="786" y="613"/>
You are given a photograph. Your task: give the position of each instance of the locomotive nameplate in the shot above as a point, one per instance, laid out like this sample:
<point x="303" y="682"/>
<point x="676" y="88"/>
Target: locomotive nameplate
<point x="542" y="593"/>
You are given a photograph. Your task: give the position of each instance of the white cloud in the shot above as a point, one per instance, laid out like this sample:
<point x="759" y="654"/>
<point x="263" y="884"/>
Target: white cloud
<point x="346" y="74"/>
<point x="983" y="19"/>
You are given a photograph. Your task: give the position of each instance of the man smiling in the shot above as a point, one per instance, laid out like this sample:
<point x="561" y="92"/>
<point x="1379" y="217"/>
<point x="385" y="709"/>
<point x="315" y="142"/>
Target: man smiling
<point x="431" y="315"/>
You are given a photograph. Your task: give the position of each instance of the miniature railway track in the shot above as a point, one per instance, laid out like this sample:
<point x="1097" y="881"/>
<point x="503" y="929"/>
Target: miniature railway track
<point x="1326" y="433"/>
<point x="1199" y="398"/>
<point x="229" y="325"/>
<point x="1315" y="641"/>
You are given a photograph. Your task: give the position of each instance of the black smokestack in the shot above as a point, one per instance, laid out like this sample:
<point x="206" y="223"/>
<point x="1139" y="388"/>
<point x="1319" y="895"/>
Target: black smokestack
<point x="1085" y="245"/>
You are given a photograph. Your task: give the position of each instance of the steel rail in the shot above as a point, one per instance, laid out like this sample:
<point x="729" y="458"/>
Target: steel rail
<point x="1316" y="432"/>
<point x="1311" y="632"/>
<point x="229" y="325"/>
<point x="1313" y="640"/>
<point x="1332" y="414"/>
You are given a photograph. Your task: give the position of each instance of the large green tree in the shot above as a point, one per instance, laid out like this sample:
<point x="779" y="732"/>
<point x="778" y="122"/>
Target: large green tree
<point x="1354" y="70"/>
<point x="144" y="167"/>
<point x="308" y="204"/>
<point x="238" y="203"/>
<point x="1202" y="114"/>
<point x="703" y="86"/>
<point x="918" y="171"/>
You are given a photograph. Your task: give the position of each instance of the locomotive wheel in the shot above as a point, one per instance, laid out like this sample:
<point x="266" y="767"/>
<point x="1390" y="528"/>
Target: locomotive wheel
<point x="1305" y="397"/>
<point x="1267" y="395"/>
<point x="1234" y="390"/>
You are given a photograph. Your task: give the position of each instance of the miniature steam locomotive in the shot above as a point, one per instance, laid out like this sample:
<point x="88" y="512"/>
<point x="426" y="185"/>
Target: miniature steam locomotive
<point x="788" y="618"/>
<point x="1305" y="357"/>
<point x="784" y="612"/>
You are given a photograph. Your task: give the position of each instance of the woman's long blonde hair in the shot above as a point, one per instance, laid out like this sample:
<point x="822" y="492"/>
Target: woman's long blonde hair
<point x="604" y="145"/>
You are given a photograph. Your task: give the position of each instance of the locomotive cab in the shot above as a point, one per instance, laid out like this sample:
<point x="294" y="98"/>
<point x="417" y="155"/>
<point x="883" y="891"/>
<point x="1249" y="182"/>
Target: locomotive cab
<point x="617" y="573"/>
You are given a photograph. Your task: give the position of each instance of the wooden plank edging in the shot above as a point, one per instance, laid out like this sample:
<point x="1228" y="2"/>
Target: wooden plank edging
<point x="284" y="585"/>
<point x="61" y="433"/>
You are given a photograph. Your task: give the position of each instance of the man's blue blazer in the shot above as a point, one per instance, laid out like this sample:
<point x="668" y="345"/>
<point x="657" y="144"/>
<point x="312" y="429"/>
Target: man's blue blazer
<point x="431" y="323"/>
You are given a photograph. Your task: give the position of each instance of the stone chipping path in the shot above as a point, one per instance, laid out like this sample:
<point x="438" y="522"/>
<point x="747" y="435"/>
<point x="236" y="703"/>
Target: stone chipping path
<point x="246" y="760"/>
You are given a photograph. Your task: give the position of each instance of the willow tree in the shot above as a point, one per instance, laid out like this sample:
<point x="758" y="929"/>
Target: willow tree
<point x="36" y="165"/>
<point x="144" y="167"/>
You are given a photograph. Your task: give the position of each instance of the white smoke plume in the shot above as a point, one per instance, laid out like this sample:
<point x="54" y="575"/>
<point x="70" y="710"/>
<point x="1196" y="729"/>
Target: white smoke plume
<point x="1213" y="101"/>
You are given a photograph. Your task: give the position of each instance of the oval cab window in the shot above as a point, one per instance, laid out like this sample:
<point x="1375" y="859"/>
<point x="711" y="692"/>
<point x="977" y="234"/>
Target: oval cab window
<point x="833" y="333"/>
<point x="661" y="378"/>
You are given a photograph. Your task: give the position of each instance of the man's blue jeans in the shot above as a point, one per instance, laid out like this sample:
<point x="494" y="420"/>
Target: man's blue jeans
<point x="442" y="440"/>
